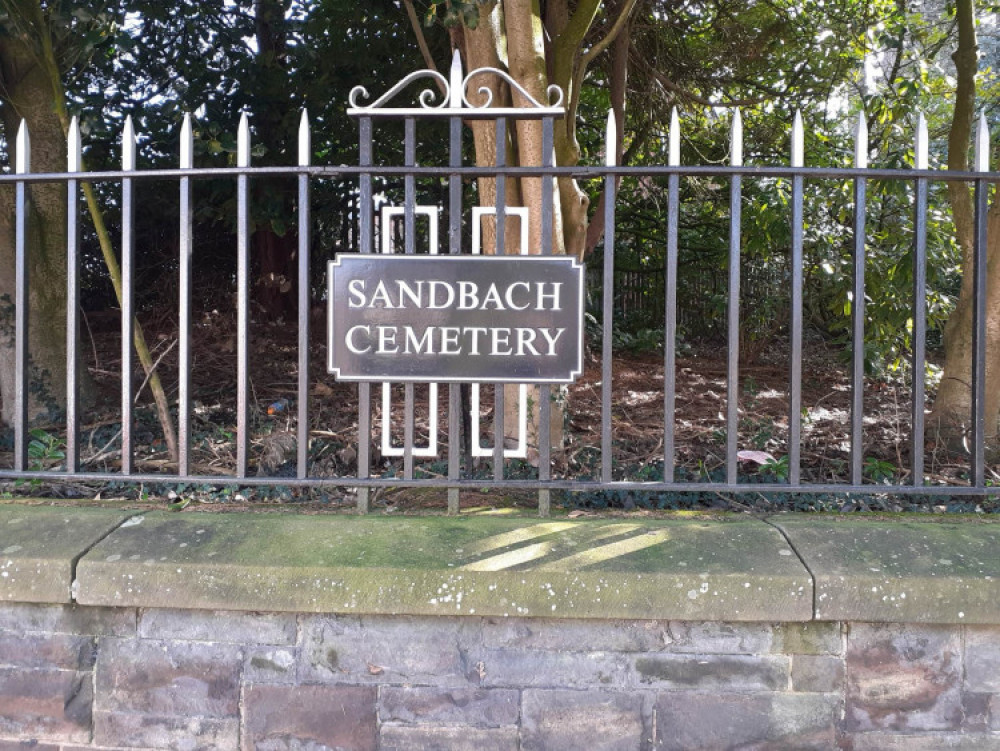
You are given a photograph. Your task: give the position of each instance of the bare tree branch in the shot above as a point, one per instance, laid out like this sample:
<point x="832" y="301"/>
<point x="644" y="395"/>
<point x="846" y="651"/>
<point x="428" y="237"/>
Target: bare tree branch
<point x="690" y="96"/>
<point x="425" y="51"/>
<point x="586" y="58"/>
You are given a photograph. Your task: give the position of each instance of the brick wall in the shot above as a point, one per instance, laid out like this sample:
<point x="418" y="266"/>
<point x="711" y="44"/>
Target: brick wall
<point x="74" y="678"/>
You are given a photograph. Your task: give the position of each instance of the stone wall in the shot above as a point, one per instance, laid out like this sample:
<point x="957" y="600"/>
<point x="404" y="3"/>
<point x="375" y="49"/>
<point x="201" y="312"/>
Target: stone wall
<point x="75" y="677"/>
<point x="122" y="629"/>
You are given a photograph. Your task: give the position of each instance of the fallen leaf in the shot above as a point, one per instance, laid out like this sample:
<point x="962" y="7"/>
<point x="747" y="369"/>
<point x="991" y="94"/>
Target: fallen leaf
<point x="757" y="457"/>
<point x="375" y="669"/>
<point x="321" y="389"/>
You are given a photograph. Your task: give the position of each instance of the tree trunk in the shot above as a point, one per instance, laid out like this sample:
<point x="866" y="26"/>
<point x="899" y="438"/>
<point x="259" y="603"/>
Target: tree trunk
<point x="537" y="52"/>
<point x="27" y="94"/>
<point x="952" y="407"/>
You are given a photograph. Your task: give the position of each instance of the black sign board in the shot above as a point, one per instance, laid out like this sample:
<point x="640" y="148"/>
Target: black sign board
<point x="513" y="319"/>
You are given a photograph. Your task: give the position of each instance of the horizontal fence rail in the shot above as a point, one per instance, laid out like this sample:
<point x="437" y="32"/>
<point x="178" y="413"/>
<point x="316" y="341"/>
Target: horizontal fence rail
<point x="546" y="474"/>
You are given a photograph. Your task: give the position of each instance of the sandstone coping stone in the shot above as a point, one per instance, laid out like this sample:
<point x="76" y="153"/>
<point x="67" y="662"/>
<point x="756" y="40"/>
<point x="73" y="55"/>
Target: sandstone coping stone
<point x="686" y="569"/>
<point x="899" y="570"/>
<point x="40" y="545"/>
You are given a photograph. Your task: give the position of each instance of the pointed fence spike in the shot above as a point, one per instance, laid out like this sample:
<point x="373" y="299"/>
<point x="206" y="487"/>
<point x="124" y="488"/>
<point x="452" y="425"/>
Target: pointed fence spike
<point x="74" y="149"/>
<point x="736" y="139"/>
<point x="128" y="145"/>
<point x="23" y="161"/>
<point x="455" y="81"/>
<point x="243" y="142"/>
<point x="610" y="140"/>
<point x="982" y="145"/>
<point x="305" y="139"/>
<point x="674" y="151"/>
<point x="861" y="142"/>
<point x="920" y="146"/>
<point x="798" y="141"/>
<point x="187" y="143"/>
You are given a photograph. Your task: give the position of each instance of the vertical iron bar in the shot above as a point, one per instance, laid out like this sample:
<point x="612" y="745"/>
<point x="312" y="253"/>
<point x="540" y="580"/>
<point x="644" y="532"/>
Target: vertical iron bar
<point x="858" y="306"/>
<point x="243" y="299"/>
<point x="544" y="390"/>
<point x="670" y="303"/>
<point x="608" y="283"/>
<point x="979" y="278"/>
<point x="128" y="306"/>
<point x="410" y="232"/>
<point x="302" y="442"/>
<point x="184" y="319"/>
<point x="499" y="431"/>
<point x="21" y="301"/>
<point x="795" y="356"/>
<point x="73" y="165"/>
<point x="919" y="305"/>
<point x="454" y="248"/>
<point x="364" y="389"/>
<point x="733" y="321"/>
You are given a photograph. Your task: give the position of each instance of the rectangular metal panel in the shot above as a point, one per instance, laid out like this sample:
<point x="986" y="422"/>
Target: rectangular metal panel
<point x="456" y="319"/>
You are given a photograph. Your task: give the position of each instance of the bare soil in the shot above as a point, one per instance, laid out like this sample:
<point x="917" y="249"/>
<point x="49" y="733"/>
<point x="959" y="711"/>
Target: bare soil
<point x="637" y="425"/>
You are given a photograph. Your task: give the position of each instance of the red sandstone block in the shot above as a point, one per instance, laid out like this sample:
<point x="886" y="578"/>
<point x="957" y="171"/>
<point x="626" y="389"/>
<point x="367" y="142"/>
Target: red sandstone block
<point x="27" y="746"/>
<point x="574" y="720"/>
<point x="179" y="679"/>
<point x="353" y="650"/>
<point x="295" y="717"/>
<point x="222" y="627"/>
<point x="59" y="651"/>
<point x="685" y="720"/>
<point x="143" y="731"/>
<point x="53" y="705"/>
<point x="467" y="707"/>
<point x="424" y="738"/>
<point x="22" y="618"/>
<point x="904" y="677"/>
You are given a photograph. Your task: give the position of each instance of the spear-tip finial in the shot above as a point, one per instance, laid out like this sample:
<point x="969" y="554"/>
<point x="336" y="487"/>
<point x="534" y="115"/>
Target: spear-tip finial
<point x="305" y="139"/>
<point x="798" y="141"/>
<point x="982" y="145"/>
<point x="128" y="145"/>
<point x="187" y="143"/>
<point x="674" y="148"/>
<point x="861" y="142"/>
<point x="736" y="139"/>
<point x="22" y="164"/>
<point x="74" y="150"/>
<point x="920" y="146"/>
<point x="455" y="81"/>
<point x="243" y="142"/>
<point x="610" y="140"/>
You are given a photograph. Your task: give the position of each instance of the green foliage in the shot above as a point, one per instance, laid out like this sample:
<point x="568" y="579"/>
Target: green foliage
<point x="452" y="13"/>
<point x="878" y="470"/>
<point x="45" y="449"/>
<point x="777" y="468"/>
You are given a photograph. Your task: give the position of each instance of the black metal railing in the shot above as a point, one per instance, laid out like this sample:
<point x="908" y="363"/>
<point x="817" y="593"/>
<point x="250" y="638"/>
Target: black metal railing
<point x="546" y="477"/>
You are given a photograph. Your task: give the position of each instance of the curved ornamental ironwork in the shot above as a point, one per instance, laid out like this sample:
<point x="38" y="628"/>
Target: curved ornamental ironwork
<point x="455" y="97"/>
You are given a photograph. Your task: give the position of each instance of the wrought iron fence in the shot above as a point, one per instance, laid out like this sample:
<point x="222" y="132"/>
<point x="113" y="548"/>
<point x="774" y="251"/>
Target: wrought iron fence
<point x="543" y="474"/>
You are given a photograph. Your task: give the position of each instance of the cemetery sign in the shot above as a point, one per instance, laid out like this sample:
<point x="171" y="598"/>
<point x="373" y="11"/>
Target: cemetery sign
<point x="494" y="319"/>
